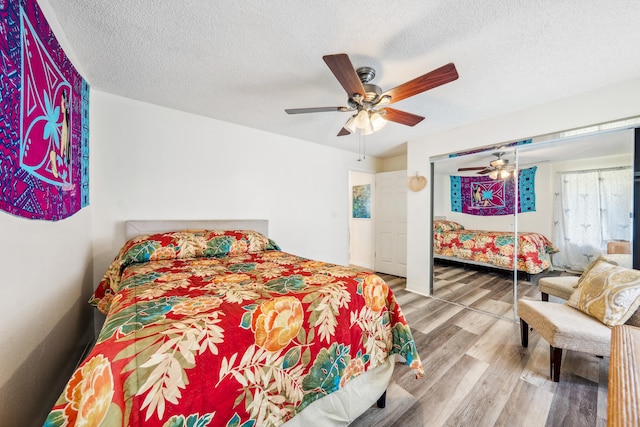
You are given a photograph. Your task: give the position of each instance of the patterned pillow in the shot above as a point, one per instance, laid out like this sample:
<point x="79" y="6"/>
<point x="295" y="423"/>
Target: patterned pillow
<point x="590" y="266"/>
<point x="192" y="244"/>
<point x="442" y="225"/>
<point x="177" y="245"/>
<point x="608" y="293"/>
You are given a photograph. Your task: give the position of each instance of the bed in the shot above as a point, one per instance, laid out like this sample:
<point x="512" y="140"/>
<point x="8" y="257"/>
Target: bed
<point x="219" y="327"/>
<point x="451" y="241"/>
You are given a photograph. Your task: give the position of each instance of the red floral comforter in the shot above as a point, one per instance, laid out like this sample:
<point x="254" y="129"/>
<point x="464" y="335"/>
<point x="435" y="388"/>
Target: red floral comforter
<point x="495" y="248"/>
<point x="222" y="328"/>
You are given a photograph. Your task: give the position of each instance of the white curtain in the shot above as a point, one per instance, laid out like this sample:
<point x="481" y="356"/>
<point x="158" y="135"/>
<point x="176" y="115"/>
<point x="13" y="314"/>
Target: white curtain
<point x="591" y="208"/>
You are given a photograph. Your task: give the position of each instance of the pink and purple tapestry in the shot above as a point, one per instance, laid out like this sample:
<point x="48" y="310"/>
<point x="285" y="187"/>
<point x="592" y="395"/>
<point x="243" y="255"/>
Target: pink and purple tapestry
<point x="44" y="149"/>
<point x="481" y="195"/>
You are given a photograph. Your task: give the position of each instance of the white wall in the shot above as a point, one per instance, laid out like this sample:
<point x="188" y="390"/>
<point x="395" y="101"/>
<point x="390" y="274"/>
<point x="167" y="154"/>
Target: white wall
<point x="46" y="282"/>
<point x="152" y="162"/>
<point x="602" y="105"/>
<point x="392" y="164"/>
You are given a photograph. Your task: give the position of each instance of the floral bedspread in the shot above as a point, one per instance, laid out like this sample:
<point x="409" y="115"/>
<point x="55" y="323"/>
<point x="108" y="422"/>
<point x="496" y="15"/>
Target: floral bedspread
<point x="495" y="248"/>
<point x="222" y="328"/>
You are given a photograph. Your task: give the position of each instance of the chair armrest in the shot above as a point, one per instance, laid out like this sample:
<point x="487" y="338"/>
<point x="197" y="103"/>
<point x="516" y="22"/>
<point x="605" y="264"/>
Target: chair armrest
<point x="623" y="401"/>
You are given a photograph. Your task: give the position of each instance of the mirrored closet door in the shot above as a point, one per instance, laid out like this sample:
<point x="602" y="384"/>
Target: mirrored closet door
<point x="547" y="206"/>
<point x="474" y="229"/>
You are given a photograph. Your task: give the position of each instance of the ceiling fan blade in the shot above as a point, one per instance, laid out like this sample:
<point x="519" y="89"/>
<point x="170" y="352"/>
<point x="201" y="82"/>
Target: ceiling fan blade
<point x="315" y="110"/>
<point x="341" y="67"/>
<point x="344" y="131"/>
<point x="485" y="171"/>
<point x="472" y="168"/>
<point x="402" y="117"/>
<point x="445" y="74"/>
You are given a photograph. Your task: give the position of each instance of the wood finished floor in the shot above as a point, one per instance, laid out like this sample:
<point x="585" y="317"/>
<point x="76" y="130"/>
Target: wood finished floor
<point x="477" y="373"/>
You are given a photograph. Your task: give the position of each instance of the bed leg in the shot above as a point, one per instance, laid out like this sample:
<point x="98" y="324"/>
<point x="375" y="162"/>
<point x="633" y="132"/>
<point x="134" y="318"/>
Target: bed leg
<point x="382" y="402"/>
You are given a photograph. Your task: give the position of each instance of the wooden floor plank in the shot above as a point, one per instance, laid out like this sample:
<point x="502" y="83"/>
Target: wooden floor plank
<point x="427" y="320"/>
<point x="477" y="372"/>
<point x="574" y="402"/>
<point x="536" y="372"/>
<point x="445" y="396"/>
<point x="527" y="406"/>
<point x="506" y="360"/>
<point x="443" y="348"/>
<point x="474" y="321"/>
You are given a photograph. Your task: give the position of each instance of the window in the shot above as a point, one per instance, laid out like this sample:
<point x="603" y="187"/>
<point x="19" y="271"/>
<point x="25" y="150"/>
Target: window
<point x="591" y="208"/>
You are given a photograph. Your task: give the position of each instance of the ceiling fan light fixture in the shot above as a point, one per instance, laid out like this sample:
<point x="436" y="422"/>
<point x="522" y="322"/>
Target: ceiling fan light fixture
<point x="351" y="125"/>
<point x="367" y="130"/>
<point x="500" y="174"/>
<point x="367" y="121"/>
<point x="498" y="163"/>
<point x="377" y="121"/>
<point x="362" y="119"/>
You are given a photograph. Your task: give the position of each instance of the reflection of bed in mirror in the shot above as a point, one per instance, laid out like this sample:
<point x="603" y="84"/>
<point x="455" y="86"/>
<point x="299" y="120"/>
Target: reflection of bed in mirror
<point x="452" y="242"/>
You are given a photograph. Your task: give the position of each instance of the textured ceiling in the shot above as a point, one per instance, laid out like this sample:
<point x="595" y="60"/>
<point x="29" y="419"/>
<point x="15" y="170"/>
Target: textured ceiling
<point x="246" y="61"/>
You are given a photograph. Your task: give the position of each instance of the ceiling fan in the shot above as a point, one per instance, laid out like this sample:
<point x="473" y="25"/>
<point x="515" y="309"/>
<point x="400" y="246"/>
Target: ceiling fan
<point x="498" y="168"/>
<point x="369" y="102"/>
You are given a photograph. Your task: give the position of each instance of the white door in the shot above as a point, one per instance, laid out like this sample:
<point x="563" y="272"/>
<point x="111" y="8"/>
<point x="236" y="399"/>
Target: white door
<point x="391" y="223"/>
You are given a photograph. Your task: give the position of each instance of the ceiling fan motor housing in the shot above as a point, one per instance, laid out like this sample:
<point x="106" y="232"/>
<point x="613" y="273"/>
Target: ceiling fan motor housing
<point x="372" y="92"/>
<point x="366" y="74"/>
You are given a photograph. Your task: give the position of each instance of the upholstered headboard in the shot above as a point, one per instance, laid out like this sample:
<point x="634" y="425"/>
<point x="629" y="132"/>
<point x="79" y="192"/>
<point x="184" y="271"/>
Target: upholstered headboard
<point x="142" y="227"/>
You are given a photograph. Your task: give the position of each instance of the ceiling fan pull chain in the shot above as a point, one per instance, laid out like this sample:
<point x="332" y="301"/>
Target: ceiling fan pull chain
<point x="361" y="145"/>
<point x="364" y="148"/>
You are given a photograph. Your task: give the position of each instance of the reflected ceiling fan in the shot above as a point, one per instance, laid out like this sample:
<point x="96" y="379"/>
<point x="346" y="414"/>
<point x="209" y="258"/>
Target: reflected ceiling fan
<point x="498" y="168"/>
<point x="367" y="100"/>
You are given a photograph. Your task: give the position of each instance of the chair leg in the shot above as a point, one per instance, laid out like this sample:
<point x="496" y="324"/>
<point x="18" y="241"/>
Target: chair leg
<point x="555" y="358"/>
<point x="382" y="402"/>
<point x="544" y="296"/>
<point x="524" y="333"/>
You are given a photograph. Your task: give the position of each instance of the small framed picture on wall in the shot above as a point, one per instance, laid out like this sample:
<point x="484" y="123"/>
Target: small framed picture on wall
<point x="361" y="201"/>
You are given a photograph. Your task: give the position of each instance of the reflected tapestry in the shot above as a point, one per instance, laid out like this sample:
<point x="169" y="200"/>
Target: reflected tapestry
<point x="44" y="151"/>
<point x="481" y="195"/>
